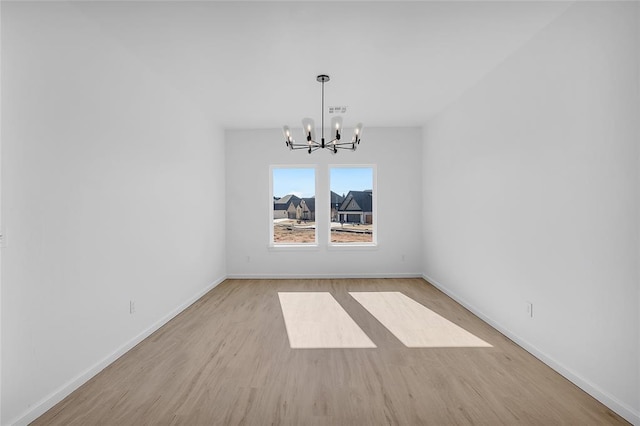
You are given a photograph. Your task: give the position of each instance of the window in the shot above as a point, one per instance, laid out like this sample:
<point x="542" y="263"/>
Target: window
<point x="293" y="212"/>
<point x="353" y="205"/>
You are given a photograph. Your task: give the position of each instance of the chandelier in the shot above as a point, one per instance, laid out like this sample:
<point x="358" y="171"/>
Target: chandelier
<point x="309" y="129"/>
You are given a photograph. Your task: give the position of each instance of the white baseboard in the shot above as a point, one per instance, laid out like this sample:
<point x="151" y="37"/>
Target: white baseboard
<point x="614" y="404"/>
<point x="40" y="407"/>
<point x="319" y="276"/>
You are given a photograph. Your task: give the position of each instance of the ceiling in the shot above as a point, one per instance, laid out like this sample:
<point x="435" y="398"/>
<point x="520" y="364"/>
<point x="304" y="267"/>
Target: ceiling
<point x="254" y="64"/>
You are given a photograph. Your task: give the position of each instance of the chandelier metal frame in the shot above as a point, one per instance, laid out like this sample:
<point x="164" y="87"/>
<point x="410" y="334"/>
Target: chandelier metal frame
<point x="308" y="127"/>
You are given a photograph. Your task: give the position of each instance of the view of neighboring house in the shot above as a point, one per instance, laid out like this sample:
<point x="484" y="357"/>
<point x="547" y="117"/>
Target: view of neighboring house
<point x="336" y="201"/>
<point x="293" y="207"/>
<point x="357" y="207"/>
<point x="286" y="207"/>
<point x="306" y="209"/>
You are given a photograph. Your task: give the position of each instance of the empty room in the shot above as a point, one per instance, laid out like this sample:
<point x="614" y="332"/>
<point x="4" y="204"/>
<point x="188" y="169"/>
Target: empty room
<point x="319" y="213"/>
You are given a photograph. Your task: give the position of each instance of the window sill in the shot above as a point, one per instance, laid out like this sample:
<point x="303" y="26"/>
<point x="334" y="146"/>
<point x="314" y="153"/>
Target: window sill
<point x="293" y="247"/>
<point x="352" y="246"/>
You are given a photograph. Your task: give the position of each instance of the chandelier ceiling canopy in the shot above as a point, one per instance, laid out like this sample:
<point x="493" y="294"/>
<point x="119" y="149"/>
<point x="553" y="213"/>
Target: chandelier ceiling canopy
<point x="312" y="144"/>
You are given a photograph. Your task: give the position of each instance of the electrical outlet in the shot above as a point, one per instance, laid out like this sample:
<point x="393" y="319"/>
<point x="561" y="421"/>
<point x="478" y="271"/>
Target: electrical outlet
<point x="132" y="306"/>
<point x="530" y="309"/>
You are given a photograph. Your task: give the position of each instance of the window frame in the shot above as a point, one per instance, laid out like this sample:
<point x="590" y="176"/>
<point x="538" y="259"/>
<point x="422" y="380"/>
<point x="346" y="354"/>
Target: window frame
<point x="280" y="245"/>
<point x="374" y="178"/>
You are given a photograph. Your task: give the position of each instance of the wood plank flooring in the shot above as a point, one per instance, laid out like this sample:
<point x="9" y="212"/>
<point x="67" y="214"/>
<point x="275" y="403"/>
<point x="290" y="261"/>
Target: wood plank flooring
<point x="413" y="324"/>
<point x="316" y="320"/>
<point x="226" y="360"/>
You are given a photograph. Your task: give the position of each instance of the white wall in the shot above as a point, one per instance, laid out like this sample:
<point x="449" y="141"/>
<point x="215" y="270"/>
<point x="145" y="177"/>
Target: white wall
<point x="397" y="154"/>
<point x="531" y="194"/>
<point x="112" y="189"/>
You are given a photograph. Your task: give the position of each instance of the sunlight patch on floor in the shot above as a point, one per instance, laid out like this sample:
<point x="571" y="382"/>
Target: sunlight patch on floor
<point x="414" y="324"/>
<point x="316" y="320"/>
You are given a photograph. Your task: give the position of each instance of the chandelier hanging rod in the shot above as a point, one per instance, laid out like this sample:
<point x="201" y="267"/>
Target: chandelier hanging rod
<point x="308" y="127"/>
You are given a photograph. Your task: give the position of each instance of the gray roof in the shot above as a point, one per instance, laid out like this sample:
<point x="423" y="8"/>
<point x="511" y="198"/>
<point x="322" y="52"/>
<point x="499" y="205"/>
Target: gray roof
<point x="336" y="199"/>
<point x="284" y="202"/>
<point x="311" y="203"/>
<point x="357" y="201"/>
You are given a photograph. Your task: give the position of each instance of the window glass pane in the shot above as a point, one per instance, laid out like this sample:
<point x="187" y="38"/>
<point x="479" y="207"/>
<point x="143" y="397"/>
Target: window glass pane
<point x="294" y="207"/>
<point x="352" y="204"/>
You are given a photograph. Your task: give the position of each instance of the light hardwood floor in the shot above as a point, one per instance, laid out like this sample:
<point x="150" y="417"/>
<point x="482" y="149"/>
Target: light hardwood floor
<point x="316" y="320"/>
<point x="413" y="324"/>
<point x="226" y="360"/>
